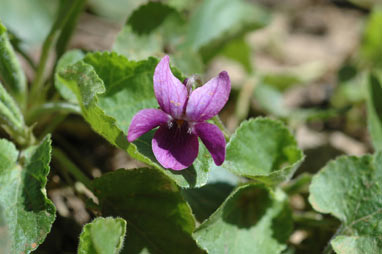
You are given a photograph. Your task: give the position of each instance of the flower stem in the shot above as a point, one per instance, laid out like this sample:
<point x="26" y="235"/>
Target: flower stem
<point x="37" y="84"/>
<point x="65" y="162"/>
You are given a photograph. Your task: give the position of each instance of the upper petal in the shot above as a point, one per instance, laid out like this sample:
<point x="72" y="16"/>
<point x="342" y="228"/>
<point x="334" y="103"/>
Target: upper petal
<point x="207" y="100"/>
<point x="144" y="121"/>
<point x="169" y="91"/>
<point x="175" y="147"/>
<point x="213" y="139"/>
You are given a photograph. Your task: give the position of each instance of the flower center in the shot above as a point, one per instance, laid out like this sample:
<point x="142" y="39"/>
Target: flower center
<point x="180" y="126"/>
<point x="179" y="123"/>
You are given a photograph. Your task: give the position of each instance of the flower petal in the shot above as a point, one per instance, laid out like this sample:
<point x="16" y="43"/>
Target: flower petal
<point x="144" y="121"/>
<point x="213" y="139"/>
<point x="169" y="91"/>
<point x="174" y="147"/>
<point x="207" y="100"/>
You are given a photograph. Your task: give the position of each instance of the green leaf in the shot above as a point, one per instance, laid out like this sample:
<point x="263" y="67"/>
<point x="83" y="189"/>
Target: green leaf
<point x="263" y="149"/>
<point x="117" y="10"/>
<point x="182" y="5"/>
<point x="10" y="69"/>
<point x="251" y="220"/>
<point x="238" y="50"/>
<point x="29" y="20"/>
<point x="141" y="38"/>
<point x="187" y="60"/>
<point x="374" y="109"/>
<point x="349" y="188"/>
<point x="102" y="236"/>
<point x="111" y="90"/>
<point x="356" y="244"/>
<point x="69" y="58"/>
<point x="205" y="200"/>
<point x="270" y="100"/>
<point x="210" y="25"/>
<point x="4" y="234"/>
<point x="372" y="40"/>
<point x="157" y="12"/>
<point x="9" y="111"/>
<point x="137" y="47"/>
<point x="351" y="91"/>
<point x="12" y="121"/>
<point x="158" y="219"/>
<point x="27" y="212"/>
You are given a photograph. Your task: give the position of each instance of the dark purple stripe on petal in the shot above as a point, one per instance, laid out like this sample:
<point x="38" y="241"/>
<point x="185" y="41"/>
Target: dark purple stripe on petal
<point x="213" y="139"/>
<point x="175" y="147"/>
<point x="169" y="91"/>
<point x="207" y="101"/>
<point x="144" y="121"/>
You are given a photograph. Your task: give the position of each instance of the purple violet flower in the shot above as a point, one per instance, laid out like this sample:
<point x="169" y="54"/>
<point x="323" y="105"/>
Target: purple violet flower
<point x="182" y="118"/>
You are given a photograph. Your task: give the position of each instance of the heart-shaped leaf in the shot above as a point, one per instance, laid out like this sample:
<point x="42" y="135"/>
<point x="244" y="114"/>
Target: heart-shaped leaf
<point x="210" y="29"/>
<point x="349" y="188"/>
<point x="27" y="212"/>
<point x="102" y="236"/>
<point x="263" y="149"/>
<point x="158" y="219"/>
<point x="251" y="220"/>
<point x="142" y="37"/>
<point x="70" y="57"/>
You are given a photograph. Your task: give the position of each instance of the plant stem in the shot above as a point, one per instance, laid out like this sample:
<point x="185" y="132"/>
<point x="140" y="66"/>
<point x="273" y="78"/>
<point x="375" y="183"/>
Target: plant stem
<point x="37" y="85"/>
<point x="51" y="107"/>
<point x="68" y="165"/>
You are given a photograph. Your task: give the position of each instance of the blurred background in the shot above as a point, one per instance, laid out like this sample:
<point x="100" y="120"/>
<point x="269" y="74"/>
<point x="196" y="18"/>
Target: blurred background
<point x="305" y="62"/>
